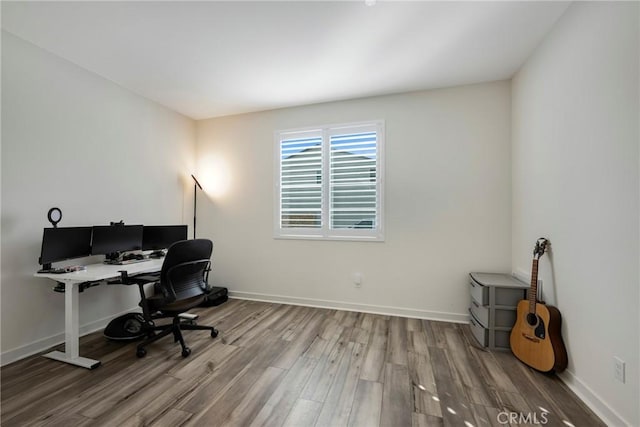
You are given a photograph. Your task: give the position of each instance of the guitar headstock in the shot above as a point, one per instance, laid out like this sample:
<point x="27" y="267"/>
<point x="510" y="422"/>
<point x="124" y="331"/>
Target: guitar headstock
<point x="541" y="247"/>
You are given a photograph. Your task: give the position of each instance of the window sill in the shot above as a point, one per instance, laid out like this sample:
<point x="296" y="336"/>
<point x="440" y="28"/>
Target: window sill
<point x="377" y="239"/>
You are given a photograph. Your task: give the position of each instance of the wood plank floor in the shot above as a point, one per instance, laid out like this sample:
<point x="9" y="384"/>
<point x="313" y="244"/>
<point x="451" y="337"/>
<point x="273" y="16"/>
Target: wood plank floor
<point x="281" y="365"/>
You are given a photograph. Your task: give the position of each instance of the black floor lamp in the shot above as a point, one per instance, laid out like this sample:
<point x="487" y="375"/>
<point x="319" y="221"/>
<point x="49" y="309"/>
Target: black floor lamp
<point x="196" y="185"/>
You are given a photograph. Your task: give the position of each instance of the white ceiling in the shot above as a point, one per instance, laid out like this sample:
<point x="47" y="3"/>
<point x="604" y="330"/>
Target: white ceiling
<point x="208" y="59"/>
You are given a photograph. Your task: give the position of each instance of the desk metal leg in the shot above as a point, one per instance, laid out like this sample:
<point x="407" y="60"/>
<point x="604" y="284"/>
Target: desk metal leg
<point x="72" y="331"/>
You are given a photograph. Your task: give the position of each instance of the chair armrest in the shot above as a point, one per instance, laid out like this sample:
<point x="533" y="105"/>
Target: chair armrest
<point x="146" y="278"/>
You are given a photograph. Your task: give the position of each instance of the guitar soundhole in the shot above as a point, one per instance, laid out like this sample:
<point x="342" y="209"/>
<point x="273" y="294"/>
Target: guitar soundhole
<point x="532" y="319"/>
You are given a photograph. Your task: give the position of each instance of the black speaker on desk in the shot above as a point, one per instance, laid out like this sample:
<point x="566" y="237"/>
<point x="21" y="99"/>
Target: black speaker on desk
<point x="215" y="296"/>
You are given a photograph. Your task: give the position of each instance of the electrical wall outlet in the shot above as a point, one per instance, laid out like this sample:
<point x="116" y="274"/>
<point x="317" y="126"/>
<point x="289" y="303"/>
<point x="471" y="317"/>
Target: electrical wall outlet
<point x="618" y="369"/>
<point x="357" y="280"/>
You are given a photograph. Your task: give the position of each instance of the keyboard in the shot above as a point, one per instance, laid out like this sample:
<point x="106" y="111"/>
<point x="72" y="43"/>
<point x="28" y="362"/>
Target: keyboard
<point x="157" y="254"/>
<point x="127" y="261"/>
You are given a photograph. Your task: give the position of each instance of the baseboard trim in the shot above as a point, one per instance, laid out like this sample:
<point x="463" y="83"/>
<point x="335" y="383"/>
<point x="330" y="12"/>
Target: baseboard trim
<point x="592" y="400"/>
<point x="44" y="344"/>
<point x="363" y="308"/>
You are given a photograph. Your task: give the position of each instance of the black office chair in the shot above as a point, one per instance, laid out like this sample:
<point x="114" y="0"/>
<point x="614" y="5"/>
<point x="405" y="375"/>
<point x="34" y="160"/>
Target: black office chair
<point x="182" y="286"/>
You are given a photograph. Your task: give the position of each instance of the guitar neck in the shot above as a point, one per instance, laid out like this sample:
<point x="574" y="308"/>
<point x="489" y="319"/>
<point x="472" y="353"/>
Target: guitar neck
<point x="533" y="290"/>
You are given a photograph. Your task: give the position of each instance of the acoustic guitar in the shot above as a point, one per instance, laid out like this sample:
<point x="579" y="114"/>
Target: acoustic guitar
<point x="535" y="338"/>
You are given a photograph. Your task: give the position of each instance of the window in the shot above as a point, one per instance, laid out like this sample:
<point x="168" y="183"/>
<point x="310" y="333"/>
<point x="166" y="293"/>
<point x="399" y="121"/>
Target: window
<point x="329" y="182"/>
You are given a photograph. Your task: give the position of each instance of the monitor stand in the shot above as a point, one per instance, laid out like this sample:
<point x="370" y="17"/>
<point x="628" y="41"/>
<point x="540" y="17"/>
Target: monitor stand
<point x="112" y="258"/>
<point x="46" y="268"/>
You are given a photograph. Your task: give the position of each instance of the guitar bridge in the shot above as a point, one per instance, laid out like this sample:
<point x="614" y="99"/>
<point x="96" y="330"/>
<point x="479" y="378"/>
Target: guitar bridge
<point x="530" y="338"/>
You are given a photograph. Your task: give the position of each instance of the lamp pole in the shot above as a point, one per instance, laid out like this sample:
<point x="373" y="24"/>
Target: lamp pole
<point x="196" y="185"/>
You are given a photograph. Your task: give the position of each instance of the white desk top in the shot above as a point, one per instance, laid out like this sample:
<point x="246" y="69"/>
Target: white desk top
<point x="101" y="271"/>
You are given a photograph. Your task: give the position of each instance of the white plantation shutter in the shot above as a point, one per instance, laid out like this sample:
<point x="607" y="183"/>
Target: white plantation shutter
<point x="301" y="181"/>
<point x="329" y="182"/>
<point x="353" y="179"/>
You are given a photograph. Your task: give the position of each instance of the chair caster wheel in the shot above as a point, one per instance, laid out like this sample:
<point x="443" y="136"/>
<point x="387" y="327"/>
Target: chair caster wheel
<point x="141" y="352"/>
<point x="214" y="333"/>
<point x="186" y="352"/>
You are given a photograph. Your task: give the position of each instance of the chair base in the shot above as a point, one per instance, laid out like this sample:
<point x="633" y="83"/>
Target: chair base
<point x="175" y="328"/>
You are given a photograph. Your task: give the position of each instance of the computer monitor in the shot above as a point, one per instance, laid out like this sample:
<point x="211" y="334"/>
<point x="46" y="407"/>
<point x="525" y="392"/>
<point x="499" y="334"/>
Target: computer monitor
<point x="156" y="237"/>
<point x="62" y="243"/>
<point x="110" y="240"/>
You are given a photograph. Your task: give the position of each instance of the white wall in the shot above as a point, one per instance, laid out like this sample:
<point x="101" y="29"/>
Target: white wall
<point x="100" y="153"/>
<point x="448" y="204"/>
<point x="576" y="181"/>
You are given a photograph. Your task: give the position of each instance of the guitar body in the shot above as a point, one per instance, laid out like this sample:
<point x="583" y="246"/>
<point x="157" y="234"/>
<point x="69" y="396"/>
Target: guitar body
<point x="536" y="339"/>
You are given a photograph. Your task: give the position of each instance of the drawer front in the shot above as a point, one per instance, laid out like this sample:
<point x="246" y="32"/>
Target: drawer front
<point x="501" y="338"/>
<point x="504" y="318"/>
<point x="509" y="296"/>
<point x="480" y="334"/>
<point x="479" y="293"/>
<point x="480" y="312"/>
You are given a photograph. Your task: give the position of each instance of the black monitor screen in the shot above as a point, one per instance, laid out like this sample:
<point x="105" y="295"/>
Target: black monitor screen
<point x="156" y="237"/>
<point x="109" y="239"/>
<point x="59" y="244"/>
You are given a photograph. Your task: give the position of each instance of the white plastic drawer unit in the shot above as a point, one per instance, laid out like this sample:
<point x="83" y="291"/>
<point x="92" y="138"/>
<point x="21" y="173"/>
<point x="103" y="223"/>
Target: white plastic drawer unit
<point x="492" y="309"/>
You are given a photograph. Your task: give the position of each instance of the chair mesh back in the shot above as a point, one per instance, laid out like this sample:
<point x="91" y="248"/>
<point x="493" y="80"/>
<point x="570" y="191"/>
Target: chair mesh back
<point x="184" y="266"/>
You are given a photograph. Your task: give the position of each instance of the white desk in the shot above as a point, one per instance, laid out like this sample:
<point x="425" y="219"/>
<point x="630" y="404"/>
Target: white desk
<point x="72" y="281"/>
